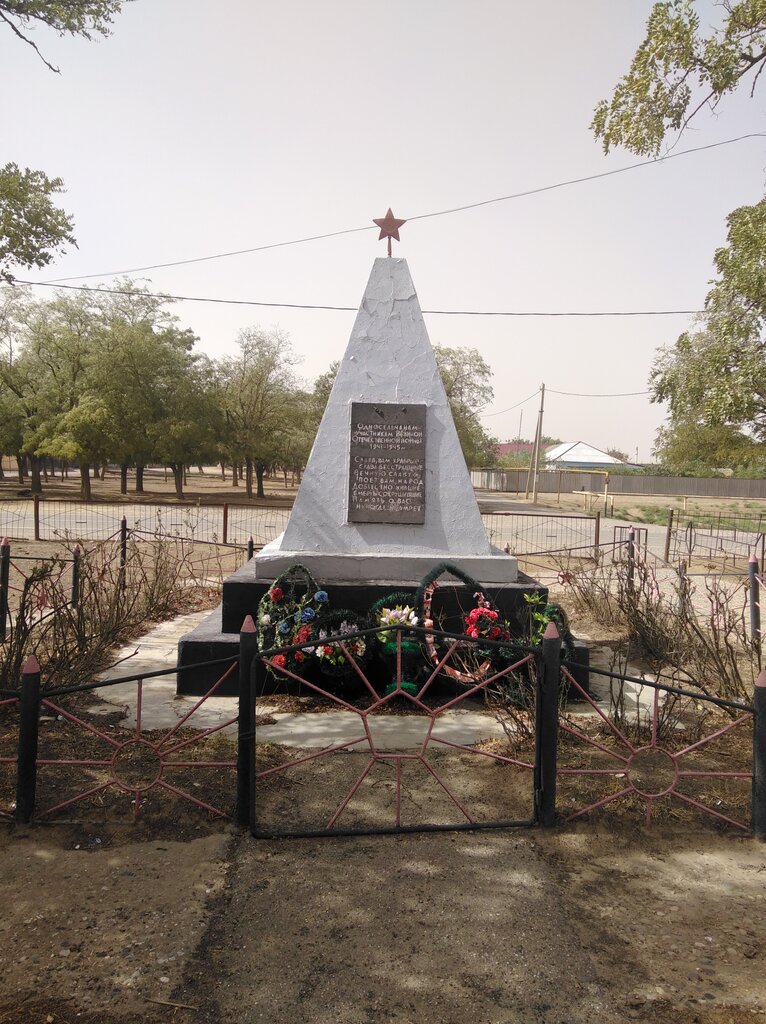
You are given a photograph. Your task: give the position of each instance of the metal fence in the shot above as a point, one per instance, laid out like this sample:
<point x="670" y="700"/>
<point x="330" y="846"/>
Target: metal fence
<point x="528" y="533"/>
<point x="715" y="536"/>
<point x="553" y="481"/>
<point x="40" y="779"/>
<point x="56" y="519"/>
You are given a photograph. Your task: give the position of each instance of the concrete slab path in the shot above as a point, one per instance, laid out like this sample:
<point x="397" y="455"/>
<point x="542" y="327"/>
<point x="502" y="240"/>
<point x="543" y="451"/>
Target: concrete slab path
<point x="162" y="708"/>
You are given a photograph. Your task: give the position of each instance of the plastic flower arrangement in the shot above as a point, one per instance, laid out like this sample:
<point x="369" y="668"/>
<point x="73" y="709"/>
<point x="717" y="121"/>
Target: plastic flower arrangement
<point x="484" y="623"/>
<point x="397" y="616"/>
<point x="332" y="653"/>
<point x="287" y="615"/>
<point x="465" y="662"/>
<point x="398" y="613"/>
<point x="331" y="657"/>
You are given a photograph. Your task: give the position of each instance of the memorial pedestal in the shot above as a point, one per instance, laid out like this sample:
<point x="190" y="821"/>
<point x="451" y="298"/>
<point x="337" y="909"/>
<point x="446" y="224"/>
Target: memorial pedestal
<point x="385" y="496"/>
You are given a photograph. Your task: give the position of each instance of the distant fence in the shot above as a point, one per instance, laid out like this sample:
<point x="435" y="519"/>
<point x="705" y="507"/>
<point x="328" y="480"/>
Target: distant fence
<point x="554" y="481"/>
<point x="234" y="525"/>
<point x="716" y="535"/>
<point x="54" y="519"/>
<point x="530" y="533"/>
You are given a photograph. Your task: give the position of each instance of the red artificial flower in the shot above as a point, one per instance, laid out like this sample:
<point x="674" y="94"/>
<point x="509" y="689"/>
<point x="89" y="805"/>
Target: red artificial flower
<point x="494" y="633"/>
<point x="279" y="660"/>
<point x="302" y="635"/>
<point x="299" y="656"/>
<point x="276" y="595"/>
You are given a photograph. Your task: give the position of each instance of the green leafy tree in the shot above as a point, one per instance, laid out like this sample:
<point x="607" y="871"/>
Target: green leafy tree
<point x="81" y="435"/>
<point x="717" y="373"/>
<point x="714" y="375"/>
<point x="679" y="70"/>
<point x="47" y="374"/>
<point x="255" y="390"/>
<point x="32" y="228"/>
<point x="688" y="447"/>
<point x="140" y="354"/>
<point x="84" y="18"/>
<point x="467" y="381"/>
<point x="187" y="432"/>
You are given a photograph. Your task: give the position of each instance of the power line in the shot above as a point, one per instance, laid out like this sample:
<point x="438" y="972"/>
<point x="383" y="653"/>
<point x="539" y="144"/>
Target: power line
<point x="353" y="309"/>
<point x="590" y="177"/>
<point x="420" y="216"/>
<point x="577" y="394"/>
<point x="512" y="407"/>
<point x="571" y="394"/>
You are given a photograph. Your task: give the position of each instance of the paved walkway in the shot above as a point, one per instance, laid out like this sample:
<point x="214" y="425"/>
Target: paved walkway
<point x="162" y="708"/>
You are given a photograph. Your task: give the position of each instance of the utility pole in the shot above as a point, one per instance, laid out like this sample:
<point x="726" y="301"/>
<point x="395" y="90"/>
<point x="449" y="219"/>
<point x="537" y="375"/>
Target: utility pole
<point x="534" y="462"/>
<point x="538" y="443"/>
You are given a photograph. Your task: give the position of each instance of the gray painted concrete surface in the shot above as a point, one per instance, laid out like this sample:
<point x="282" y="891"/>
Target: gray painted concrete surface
<point x="162" y="708"/>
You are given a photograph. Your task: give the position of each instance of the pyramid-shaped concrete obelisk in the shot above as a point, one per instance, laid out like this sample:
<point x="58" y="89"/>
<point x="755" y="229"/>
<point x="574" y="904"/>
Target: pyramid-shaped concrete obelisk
<point x="386" y="494"/>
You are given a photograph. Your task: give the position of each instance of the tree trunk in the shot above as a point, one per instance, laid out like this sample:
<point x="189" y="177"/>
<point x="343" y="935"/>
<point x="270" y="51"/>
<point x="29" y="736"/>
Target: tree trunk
<point x="34" y="471"/>
<point x="185" y="476"/>
<point x="20" y="468"/>
<point x="85" y="481"/>
<point x="103" y="470"/>
<point x="260" y="469"/>
<point x="223" y="471"/>
<point x="139" y="478"/>
<point x="234" y="475"/>
<point x="2" y="472"/>
<point x="249" y="477"/>
<point x="45" y="470"/>
<point x="284" y="474"/>
<point x="201" y="470"/>
<point x="178" y="478"/>
<point x="123" y="478"/>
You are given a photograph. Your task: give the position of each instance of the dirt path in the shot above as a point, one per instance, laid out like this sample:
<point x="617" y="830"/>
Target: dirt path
<point x="524" y="927"/>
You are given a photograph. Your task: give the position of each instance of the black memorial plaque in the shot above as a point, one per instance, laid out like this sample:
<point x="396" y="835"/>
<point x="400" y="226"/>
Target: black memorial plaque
<point x="388" y="462"/>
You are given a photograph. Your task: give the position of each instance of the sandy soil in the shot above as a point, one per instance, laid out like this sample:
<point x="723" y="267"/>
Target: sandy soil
<point x="569" y="925"/>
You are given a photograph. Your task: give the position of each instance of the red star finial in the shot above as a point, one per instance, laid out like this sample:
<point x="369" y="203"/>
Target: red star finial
<point x="389" y="227"/>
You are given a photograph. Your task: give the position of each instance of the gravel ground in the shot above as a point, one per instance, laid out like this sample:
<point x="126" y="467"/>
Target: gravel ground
<point x="515" y="927"/>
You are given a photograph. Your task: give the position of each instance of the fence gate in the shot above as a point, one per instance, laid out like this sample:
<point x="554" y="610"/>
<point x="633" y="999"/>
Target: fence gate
<point x="403" y="757"/>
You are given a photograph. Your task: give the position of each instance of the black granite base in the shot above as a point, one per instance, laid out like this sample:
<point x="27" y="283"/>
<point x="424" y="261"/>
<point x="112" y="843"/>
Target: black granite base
<point x="218" y="635"/>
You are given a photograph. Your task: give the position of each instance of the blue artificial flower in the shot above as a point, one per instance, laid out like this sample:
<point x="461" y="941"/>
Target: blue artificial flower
<point x="307" y="614"/>
<point x="297" y="617"/>
<point x="284" y="628"/>
<point x="321" y="597"/>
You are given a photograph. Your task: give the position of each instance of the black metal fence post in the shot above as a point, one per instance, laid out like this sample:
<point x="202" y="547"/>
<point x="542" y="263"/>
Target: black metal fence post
<point x="225" y="522"/>
<point x="123" y="551"/>
<point x="29" y="720"/>
<point x="248" y="646"/>
<point x="75" y="575"/>
<point x="754" y="595"/>
<point x="759" y="758"/>
<point x="36" y="515"/>
<point x="597" y="538"/>
<point x="631" y="556"/>
<point x="250" y="547"/>
<point x="549" y="670"/>
<point x="5" y="569"/>
<point x="669" y="534"/>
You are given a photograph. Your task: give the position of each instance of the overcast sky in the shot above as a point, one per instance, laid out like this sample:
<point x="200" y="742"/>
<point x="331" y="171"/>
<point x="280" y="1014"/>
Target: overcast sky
<point x="200" y="128"/>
